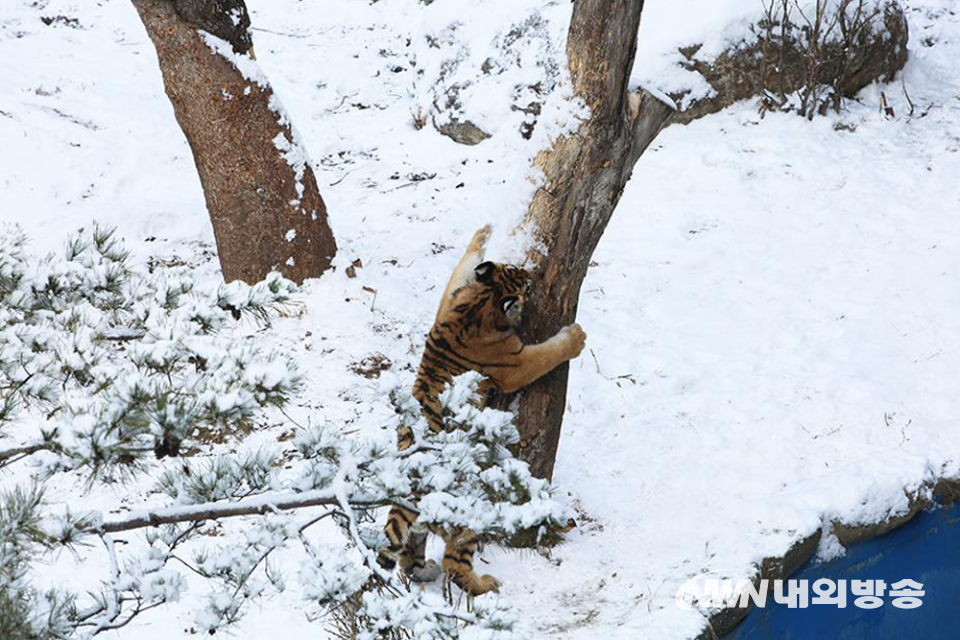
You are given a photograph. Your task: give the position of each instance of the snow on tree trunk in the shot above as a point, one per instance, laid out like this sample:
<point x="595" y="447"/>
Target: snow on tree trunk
<point x="260" y="189"/>
<point x="585" y="173"/>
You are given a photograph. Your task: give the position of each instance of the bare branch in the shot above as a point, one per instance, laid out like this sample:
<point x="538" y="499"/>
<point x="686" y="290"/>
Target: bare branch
<point x="650" y="114"/>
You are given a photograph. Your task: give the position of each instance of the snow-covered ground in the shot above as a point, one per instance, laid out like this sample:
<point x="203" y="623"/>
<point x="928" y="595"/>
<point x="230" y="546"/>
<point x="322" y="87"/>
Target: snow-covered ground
<point x="773" y="320"/>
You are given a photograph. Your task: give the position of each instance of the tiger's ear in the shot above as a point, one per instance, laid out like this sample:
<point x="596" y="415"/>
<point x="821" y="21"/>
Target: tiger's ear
<point x="484" y="272"/>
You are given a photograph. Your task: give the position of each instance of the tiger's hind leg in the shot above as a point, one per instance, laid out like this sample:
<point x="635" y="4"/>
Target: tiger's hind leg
<point x="413" y="560"/>
<point x="399" y="527"/>
<point x="458" y="564"/>
<point x="407" y="547"/>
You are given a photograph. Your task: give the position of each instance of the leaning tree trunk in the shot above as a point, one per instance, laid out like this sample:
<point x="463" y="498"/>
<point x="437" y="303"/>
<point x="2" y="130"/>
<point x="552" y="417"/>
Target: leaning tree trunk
<point x="260" y="190"/>
<point x="585" y="174"/>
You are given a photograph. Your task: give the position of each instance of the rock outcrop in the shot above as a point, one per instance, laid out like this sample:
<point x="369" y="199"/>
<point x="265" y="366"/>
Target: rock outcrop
<point x="793" y="66"/>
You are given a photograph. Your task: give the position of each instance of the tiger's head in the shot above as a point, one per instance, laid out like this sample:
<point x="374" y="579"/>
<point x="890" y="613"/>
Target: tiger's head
<point x="506" y="287"/>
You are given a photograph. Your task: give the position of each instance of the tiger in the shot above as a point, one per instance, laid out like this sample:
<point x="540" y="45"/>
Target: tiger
<point x="475" y="329"/>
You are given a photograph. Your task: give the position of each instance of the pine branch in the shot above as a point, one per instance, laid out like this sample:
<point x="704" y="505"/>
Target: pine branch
<point x="258" y="505"/>
<point x="24" y="450"/>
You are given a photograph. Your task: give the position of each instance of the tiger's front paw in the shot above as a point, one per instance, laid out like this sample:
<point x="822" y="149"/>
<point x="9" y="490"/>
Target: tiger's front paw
<point x="574" y="339"/>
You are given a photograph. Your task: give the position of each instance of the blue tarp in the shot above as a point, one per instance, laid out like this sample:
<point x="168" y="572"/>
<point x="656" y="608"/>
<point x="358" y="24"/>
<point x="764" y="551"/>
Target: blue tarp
<point x="926" y="550"/>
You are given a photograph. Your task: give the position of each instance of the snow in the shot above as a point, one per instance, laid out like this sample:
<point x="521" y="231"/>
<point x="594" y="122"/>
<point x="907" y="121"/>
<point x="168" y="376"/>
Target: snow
<point x="665" y="29"/>
<point x="773" y="319"/>
<point x="830" y="546"/>
<point x="243" y="63"/>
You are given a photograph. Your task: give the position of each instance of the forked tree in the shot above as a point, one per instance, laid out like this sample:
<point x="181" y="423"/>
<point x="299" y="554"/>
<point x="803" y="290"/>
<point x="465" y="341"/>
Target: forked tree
<point x="259" y="195"/>
<point x="585" y="173"/>
<point x="260" y="190"/>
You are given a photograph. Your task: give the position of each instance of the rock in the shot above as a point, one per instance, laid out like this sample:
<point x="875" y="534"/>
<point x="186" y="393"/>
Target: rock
<point x="451" y="123"/>
<point x="464" y="132"/>
<point x="777" y="65"/>
<point x="525" y="60"/>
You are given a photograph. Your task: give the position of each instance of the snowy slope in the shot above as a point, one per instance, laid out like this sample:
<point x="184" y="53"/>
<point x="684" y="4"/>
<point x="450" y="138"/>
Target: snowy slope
<point x="773" y="322"/>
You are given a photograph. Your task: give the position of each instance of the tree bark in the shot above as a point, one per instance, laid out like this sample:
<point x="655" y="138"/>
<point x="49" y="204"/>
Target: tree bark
<point x="259" y="187"/>
<point x="585" y="173"/>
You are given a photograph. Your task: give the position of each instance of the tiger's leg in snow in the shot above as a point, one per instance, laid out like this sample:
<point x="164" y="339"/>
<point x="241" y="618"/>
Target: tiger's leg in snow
<point x="407" y="547"/>
<point x="458" y="564"/>
<point x="399" y="526"/>
<point x="413" y="560"/>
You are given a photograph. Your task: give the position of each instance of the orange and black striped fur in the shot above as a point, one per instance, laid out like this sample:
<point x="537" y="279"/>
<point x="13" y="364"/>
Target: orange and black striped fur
<point x="475" y="329"/>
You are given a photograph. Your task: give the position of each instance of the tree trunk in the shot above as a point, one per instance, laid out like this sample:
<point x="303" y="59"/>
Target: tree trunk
<point x="585" y="174"/>
<point x="260" y="190"/>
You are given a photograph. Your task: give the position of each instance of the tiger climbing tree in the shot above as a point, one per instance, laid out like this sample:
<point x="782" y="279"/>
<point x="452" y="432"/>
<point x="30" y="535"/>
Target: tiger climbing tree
<point x="584" y="174"/>
<point x="259" y="187"/>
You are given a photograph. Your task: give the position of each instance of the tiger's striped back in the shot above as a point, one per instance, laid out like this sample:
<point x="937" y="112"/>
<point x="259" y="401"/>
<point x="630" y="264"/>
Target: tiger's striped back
<point x="466" y="335"/>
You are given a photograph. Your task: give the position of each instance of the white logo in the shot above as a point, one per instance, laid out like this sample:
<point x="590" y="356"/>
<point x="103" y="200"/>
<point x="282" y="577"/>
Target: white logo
<point x="714" y="590"/>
